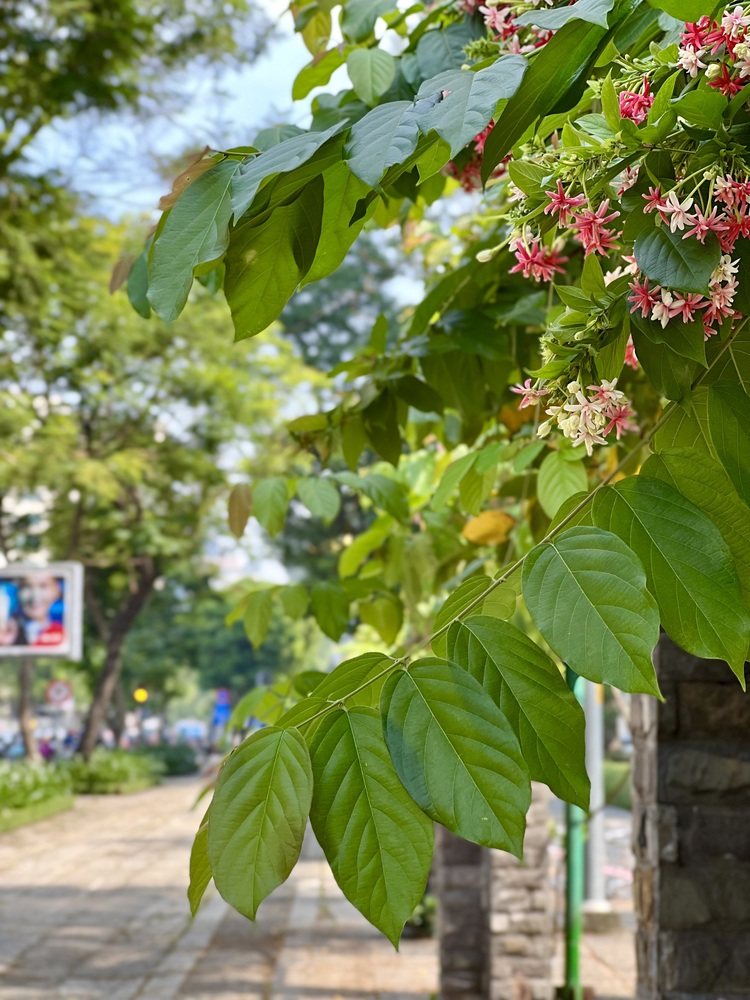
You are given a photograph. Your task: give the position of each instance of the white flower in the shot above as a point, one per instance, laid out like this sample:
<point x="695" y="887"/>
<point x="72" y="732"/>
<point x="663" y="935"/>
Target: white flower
<point x="726" y="270"/>
<point x="678" y="211"/>
<point x="690" y="60"/>
<point x="661" y="310"/>
<point x="734" y="21"/>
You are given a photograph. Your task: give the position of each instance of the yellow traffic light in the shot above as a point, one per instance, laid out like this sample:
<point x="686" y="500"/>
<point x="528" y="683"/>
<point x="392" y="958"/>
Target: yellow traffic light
<point x="141" y="695"/>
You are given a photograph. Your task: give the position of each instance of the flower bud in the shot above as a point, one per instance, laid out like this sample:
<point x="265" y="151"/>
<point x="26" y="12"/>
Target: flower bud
<point x="713" y="71"/>
<point x="486" y="255"/>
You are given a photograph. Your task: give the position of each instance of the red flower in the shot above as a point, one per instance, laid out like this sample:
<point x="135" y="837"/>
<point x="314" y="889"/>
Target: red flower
<point x="561" y="203"/>
<point x="635" y="106"/>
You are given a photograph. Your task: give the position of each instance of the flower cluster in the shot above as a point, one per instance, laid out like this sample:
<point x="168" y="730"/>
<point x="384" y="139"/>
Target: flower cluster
<point x="636" y="106"/>
<point x="723" y="40"/>
<point x="468" y="171"/>
<point x="588" y="419"/>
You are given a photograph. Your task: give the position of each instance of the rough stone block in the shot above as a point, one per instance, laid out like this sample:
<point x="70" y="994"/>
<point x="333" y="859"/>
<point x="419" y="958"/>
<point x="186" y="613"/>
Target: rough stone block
<point x="711" y="711"/>
<point x="705" y="962"/>
<point x="499" y="923"/>
<point x="714" y="833"/>
<point x="689" y="774"/>
<point x="530" y="923"/>
<point x="694" y="897"/>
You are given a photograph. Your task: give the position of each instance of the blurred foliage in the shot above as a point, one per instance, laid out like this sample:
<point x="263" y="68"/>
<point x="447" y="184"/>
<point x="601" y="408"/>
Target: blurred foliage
<point x="23" y="784"/>
<point x="111" y="772"/>
<point x="176" y="758"/>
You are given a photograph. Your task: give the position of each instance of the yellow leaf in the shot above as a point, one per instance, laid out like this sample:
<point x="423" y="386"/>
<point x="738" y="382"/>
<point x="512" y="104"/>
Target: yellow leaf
<point x="239" y="507"/>
<point x="489" y="528"/>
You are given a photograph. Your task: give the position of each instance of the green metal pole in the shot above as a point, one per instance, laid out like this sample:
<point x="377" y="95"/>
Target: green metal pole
<point x="575" y="818"/>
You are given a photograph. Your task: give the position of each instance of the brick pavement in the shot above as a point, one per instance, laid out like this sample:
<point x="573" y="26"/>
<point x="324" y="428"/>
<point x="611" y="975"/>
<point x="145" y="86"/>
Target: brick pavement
<point x="92" y="906"/>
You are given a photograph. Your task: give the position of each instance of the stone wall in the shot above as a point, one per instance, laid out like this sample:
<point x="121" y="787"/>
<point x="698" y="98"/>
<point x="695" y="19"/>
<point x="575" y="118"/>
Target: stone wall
<point x="691" y="832"/>
<point x="494" y="918"/>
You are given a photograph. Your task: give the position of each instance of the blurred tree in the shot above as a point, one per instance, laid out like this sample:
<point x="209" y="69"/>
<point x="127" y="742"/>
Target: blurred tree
<point x="122" y="430"/>
<point x="59" y="58"/>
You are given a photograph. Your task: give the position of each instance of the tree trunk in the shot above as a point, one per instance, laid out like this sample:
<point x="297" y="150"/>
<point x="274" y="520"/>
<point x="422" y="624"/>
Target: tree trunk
<point x="115" y="634"/>
<point x="118" y="713"/>
<point x="26" y="707"/>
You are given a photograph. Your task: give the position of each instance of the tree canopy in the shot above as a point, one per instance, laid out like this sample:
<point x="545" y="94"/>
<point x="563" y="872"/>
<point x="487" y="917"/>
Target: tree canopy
<point x="554" y="445"/>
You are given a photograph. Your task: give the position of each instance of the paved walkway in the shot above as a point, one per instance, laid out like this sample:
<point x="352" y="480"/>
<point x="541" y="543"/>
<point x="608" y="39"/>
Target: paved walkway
<point x="92" y="905"/>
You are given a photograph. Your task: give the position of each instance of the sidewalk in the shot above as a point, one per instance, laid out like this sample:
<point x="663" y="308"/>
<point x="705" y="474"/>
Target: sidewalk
<point x="93" y="907"/>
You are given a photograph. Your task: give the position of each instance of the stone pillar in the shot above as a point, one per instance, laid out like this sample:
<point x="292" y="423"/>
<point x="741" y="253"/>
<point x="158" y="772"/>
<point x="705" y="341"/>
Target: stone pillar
<point x="494" y="916"/>
<point x="691" y="832"/>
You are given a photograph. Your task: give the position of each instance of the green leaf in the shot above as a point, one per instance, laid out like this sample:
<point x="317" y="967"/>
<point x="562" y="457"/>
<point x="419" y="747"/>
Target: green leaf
<point x="200" y="869"/>
<point x="472" y="99"/>
<point x="372" y="72"/>
<point x="258" y="816"/>
<point x="456" y="753"/>
<point x="385" y="614"/>
<point x="342" y="193"/>
<point x="257" y="616"/>
<point x="500" y="602"/>
<point x="358" y="17"/>
<point x="294" y="600"/>
<point x="239" y="508"/>
<point x="195" y="232"/>
<point x="367" y="671"/>
<point x="279" y="159"/>
<point x="703" y="482"/>
<point x="595" y="11"/>
<point x="685" y="10"/>
<point x="558" y="479"/>
<point x="444" y="48"/>
<point x="418" y="394"/>
<point x="306" y="682"/>
<point x="270" y="503"/>
<point x="729" y="426"/>
<point x="364" y="545"/>
<point x="385" y="493"/>
<point x="268" y="256"/>
<point x="530" y="690"/>
<point x="137" y="286"/>
<point x="587" y="593"/>
<point x="320" y="497"/>
<point x="330" y="605"/>
<point x="702" y="108"/>
<point x="247" y="706"/>
<point x="377" y="841"/>
<point x="671" y="374"/>
<point x="386" y="136"/>
<point x="317" y="73"/>
<point x="666" y="259"/>
<point x="688" y="565"/>
<point x="451" y="479"/>
<point x="685" y="339"/>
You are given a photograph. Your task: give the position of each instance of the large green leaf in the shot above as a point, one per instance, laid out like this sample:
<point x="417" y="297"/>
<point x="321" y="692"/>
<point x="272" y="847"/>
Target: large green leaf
<point x="258" y="816"/>
<point x="385" y="493"/>
<point x="366" y="672"/>
<point x="688" y="565"/>
<point x="386" y="136"/>
<point x="587" y="593"/>
<point x="200" y="868"/>
<point x="318" y="72"/>
<point x="320" y="497"/>
<point x="377" y="841"/>
<point x="342" y="192"/>
<point x="669" y="260"/>
<point x="330" y="605"/>
<point x="671" y="374"/>
<point x="530" y="690"/>
<point x="268" y="256"/>
<point x="257" y="616"/>
<point x="705" y="483"/>
<point x="445" y="48"/>
<point x="500" y="602"/>
<point x="385" y="613"/>
<point x="270" y="503"/>
<point x="734" y="362"/>
<point x="456" y="753"/>
<point x="729" y="426"/>
<point x="685" y="10"/>
<point x="279" y="159"/>
<point x="595" y="11"/>
<point x="559" y="478"/>
<point x="358" y="17"/>
<point x="371" y="72"/>
<point x="196" y="231"/>
<point x="471" y="99"/>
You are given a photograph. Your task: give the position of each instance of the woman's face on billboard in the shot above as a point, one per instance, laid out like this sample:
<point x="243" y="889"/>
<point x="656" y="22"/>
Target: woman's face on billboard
<point x="37" y="594"/>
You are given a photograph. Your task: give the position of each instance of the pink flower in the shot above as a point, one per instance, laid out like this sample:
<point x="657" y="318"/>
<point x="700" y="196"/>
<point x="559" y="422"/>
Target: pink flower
<point x="536" y="261"/>
<point x="530" y="396"/>
<point x="592" y="234"/>
<point x="655" y="202"/>
<point x="695" y="34"/>
<point x="636" y="106"/>
<point x="704" y="224"/>
<point x="561" y="203"/>
<point x="619" y="420"/>
<point x="662" y="310"/>
<point x="734" y="22"/>
<point x="725" y="84"/>
<point x="630" y="356"/>
<point x="686" y="305"/>
<point x="642" y="298"/>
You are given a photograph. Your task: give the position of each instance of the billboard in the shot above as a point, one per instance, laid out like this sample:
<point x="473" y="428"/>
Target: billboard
<point x="41" y="610"/>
